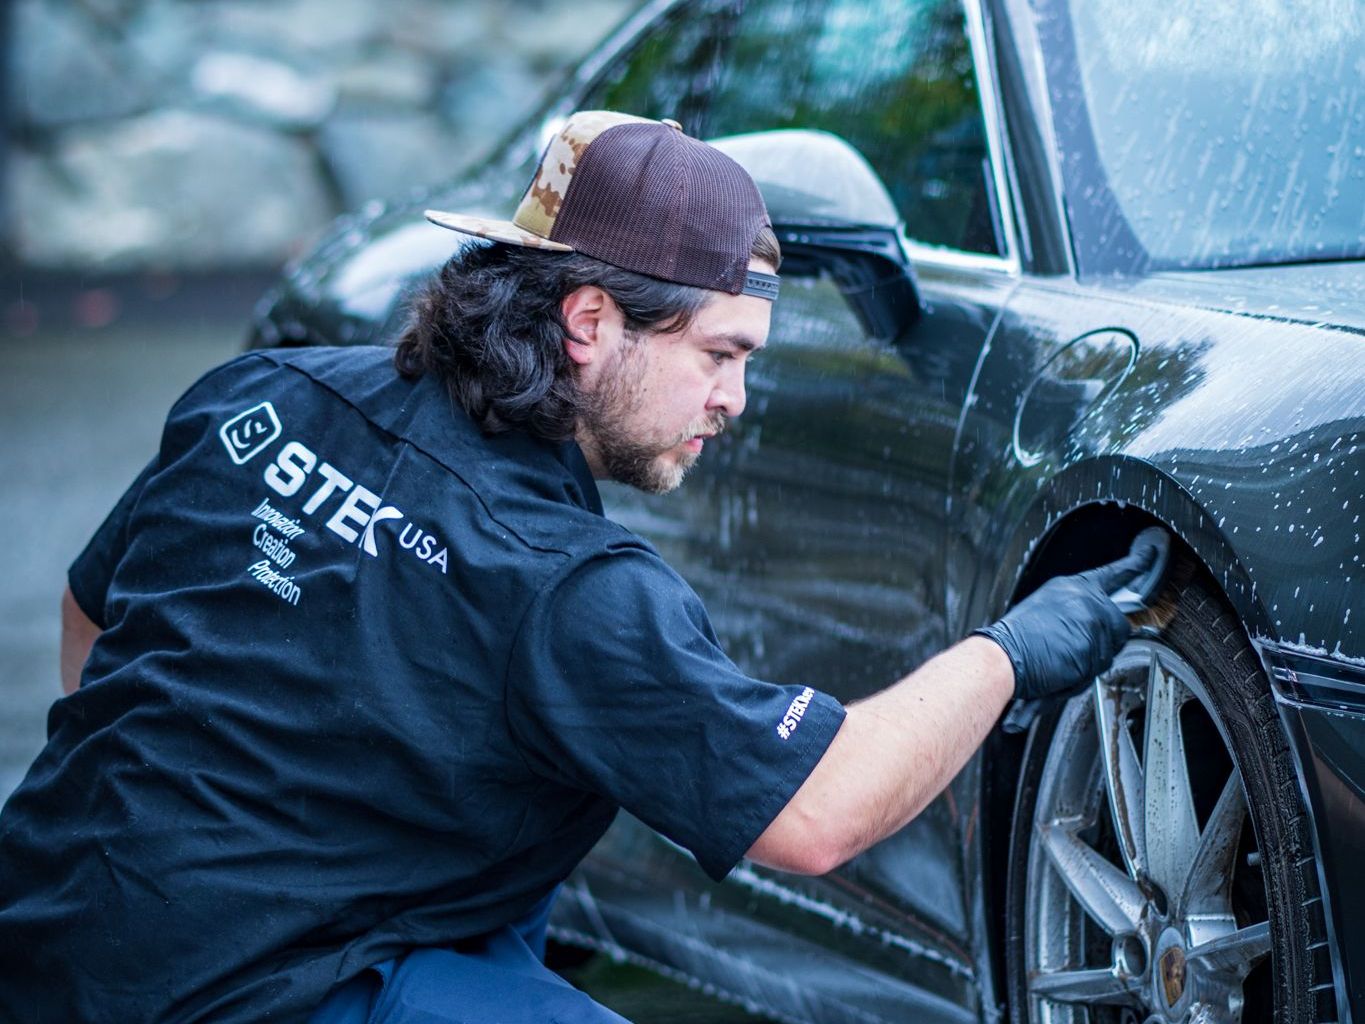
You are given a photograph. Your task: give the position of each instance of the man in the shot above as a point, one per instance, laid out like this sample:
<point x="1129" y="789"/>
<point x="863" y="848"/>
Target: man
<point x="366" y="672"/>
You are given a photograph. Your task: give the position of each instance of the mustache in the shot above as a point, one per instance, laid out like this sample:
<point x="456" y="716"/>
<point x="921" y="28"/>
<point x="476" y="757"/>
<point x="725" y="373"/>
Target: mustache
<point x="714" y="425"/>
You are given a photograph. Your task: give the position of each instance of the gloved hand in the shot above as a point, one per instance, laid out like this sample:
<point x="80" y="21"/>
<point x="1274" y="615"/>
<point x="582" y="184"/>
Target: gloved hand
<point x="1068" y="631"/>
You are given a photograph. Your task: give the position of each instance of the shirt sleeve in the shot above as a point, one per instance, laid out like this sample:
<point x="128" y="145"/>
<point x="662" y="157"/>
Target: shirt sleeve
<point x="618" y="685"/>
<point x="91" y="572"/>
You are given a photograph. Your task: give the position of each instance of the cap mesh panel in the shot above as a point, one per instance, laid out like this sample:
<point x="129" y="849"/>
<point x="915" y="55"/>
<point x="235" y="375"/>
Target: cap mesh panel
<point x="647" y="198"/>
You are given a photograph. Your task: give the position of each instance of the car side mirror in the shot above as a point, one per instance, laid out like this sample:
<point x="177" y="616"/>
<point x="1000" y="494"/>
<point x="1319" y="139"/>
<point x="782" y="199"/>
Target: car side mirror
<point x="831" y="212"/>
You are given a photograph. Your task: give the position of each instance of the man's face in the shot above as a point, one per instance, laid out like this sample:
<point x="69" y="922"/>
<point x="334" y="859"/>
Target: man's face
<point x="650" y="402"/>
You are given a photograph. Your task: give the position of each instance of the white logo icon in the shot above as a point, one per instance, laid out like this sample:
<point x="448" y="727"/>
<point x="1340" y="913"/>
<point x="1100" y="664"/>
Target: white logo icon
<point x="247" y="433"/>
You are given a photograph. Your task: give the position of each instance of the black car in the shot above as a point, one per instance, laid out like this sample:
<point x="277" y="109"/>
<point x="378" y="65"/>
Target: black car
<point x="1055" y="272"/>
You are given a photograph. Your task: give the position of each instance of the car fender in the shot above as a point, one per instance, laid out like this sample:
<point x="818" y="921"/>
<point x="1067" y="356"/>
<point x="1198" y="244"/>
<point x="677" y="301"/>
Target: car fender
<point x="1087" y="514"/>
<point x="1245" y="434"/>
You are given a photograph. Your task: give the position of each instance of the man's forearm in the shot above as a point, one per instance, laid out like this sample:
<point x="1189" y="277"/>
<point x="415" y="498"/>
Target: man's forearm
<point x="893" y="754"/>
<point x="896" y="751"/>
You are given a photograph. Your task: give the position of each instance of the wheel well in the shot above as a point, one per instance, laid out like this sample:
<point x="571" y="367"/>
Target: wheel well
<point x="1089" y="536"/>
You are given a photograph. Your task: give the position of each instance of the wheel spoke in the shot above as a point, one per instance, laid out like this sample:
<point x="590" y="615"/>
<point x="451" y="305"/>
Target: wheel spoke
<point x="1107" y="894"/>
<point x="1205" y="902"/>
<point x="1103" y="986"/>
<point x="1122" y="777"/>
<point x="1171" y="832"/>
<point x="1236" y="953"/>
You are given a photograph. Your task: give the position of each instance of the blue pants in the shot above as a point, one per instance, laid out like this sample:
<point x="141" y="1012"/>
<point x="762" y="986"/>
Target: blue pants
<point x="497" y="979"/>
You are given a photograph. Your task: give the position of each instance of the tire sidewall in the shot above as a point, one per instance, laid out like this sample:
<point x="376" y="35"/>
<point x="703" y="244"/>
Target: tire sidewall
<point x="1211" y="639"/>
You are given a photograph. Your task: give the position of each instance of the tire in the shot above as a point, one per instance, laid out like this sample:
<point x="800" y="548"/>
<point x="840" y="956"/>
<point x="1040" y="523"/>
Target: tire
<point x="1204" y="905"/>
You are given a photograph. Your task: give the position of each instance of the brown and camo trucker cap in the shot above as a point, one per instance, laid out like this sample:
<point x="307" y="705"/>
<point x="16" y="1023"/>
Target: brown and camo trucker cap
<point x="640" y="195"/>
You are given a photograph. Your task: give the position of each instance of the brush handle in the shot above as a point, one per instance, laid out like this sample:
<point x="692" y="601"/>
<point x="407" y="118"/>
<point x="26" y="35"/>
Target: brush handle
<point x="1021" y="716"/>
<point x="1137" y="594"/>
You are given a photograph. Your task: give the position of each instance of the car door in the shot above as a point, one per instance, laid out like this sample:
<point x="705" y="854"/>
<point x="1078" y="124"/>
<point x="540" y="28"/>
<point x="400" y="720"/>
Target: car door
<point x="826" y="564"/>
<point x="814" y="528"/>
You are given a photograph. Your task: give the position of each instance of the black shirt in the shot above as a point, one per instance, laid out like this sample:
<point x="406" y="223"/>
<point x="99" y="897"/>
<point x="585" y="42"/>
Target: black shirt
<point x="369" y="679"/>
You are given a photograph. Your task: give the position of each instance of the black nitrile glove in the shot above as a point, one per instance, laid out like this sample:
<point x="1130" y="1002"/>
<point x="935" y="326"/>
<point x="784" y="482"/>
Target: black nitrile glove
<point x="1068" y="631"/>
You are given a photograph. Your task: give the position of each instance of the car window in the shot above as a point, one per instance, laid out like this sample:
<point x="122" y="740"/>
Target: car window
<point x="670" y="70"/>
<point x="1230" y="135"/>
<point x="894" y="78"/>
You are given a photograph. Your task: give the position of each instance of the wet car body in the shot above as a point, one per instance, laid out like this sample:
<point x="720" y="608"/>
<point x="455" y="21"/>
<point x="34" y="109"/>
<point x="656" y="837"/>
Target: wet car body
<point x="935" y="429"/>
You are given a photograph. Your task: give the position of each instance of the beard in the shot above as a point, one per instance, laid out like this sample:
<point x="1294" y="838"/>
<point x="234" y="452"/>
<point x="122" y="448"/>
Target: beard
<point x="610" y="417"/>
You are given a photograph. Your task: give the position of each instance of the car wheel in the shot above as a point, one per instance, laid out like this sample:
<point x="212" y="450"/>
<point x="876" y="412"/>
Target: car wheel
<point x="1161" y="864"/>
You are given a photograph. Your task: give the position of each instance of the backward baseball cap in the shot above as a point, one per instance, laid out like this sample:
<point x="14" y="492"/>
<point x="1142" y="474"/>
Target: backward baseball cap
<point x="643" y="196"/>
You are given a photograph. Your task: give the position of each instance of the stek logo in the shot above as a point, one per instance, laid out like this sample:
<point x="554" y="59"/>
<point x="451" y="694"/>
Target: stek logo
<point x="795" y="712"/>
<point x="247" y="434"/>
<point x="357" y="510"/>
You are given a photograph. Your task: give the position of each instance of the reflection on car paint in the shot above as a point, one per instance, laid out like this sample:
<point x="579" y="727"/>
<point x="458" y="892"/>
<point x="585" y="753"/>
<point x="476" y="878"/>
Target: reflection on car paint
<point x="1255" y="422"/>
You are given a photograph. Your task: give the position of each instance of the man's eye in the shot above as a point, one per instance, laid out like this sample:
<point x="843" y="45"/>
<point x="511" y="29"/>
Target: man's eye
<point x="721" y="357"/>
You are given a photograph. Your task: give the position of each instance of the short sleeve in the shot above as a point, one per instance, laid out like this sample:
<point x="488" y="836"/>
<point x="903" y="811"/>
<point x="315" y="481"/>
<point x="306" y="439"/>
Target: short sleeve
<point x="91" y="572"/>
<point x="617" y="685"/>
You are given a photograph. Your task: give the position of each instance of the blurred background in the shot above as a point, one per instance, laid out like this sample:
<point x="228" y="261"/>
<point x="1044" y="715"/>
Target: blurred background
<point x="170" y="136"/>
<point x="160" y="162"/>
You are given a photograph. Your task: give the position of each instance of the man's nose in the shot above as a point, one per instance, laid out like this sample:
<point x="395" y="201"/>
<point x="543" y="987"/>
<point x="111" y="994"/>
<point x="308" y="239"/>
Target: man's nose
<point x="729" y="397"/>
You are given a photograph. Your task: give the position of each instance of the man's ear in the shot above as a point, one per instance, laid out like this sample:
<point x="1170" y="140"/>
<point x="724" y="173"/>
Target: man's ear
<point x="593" y="320"/>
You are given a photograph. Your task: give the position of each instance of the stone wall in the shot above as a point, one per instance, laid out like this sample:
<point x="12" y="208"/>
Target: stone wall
<point x="209" y="134"/>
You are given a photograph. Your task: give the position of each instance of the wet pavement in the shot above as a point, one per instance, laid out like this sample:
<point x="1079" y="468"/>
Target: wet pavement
<point x="87" y="372"/>
<point x="86" y="376"/>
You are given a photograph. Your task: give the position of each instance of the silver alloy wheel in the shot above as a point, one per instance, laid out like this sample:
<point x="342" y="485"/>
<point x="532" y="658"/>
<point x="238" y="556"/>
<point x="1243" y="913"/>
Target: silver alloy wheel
<point x="1117" y="846"/>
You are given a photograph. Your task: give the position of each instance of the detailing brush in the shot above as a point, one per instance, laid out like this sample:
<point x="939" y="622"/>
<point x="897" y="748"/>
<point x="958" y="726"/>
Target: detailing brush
<point x="1149" y="602"/>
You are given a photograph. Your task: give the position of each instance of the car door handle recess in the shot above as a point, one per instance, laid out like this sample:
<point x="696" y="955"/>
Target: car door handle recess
<point x="1072" y="383"/>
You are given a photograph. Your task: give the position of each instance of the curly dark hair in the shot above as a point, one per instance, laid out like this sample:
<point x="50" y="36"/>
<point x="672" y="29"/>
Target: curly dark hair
<point x="489" y="325"/>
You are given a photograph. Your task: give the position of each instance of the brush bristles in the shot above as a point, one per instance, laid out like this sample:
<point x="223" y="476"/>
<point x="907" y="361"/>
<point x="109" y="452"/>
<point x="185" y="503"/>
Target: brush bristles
<point x="1161" y="610"/>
